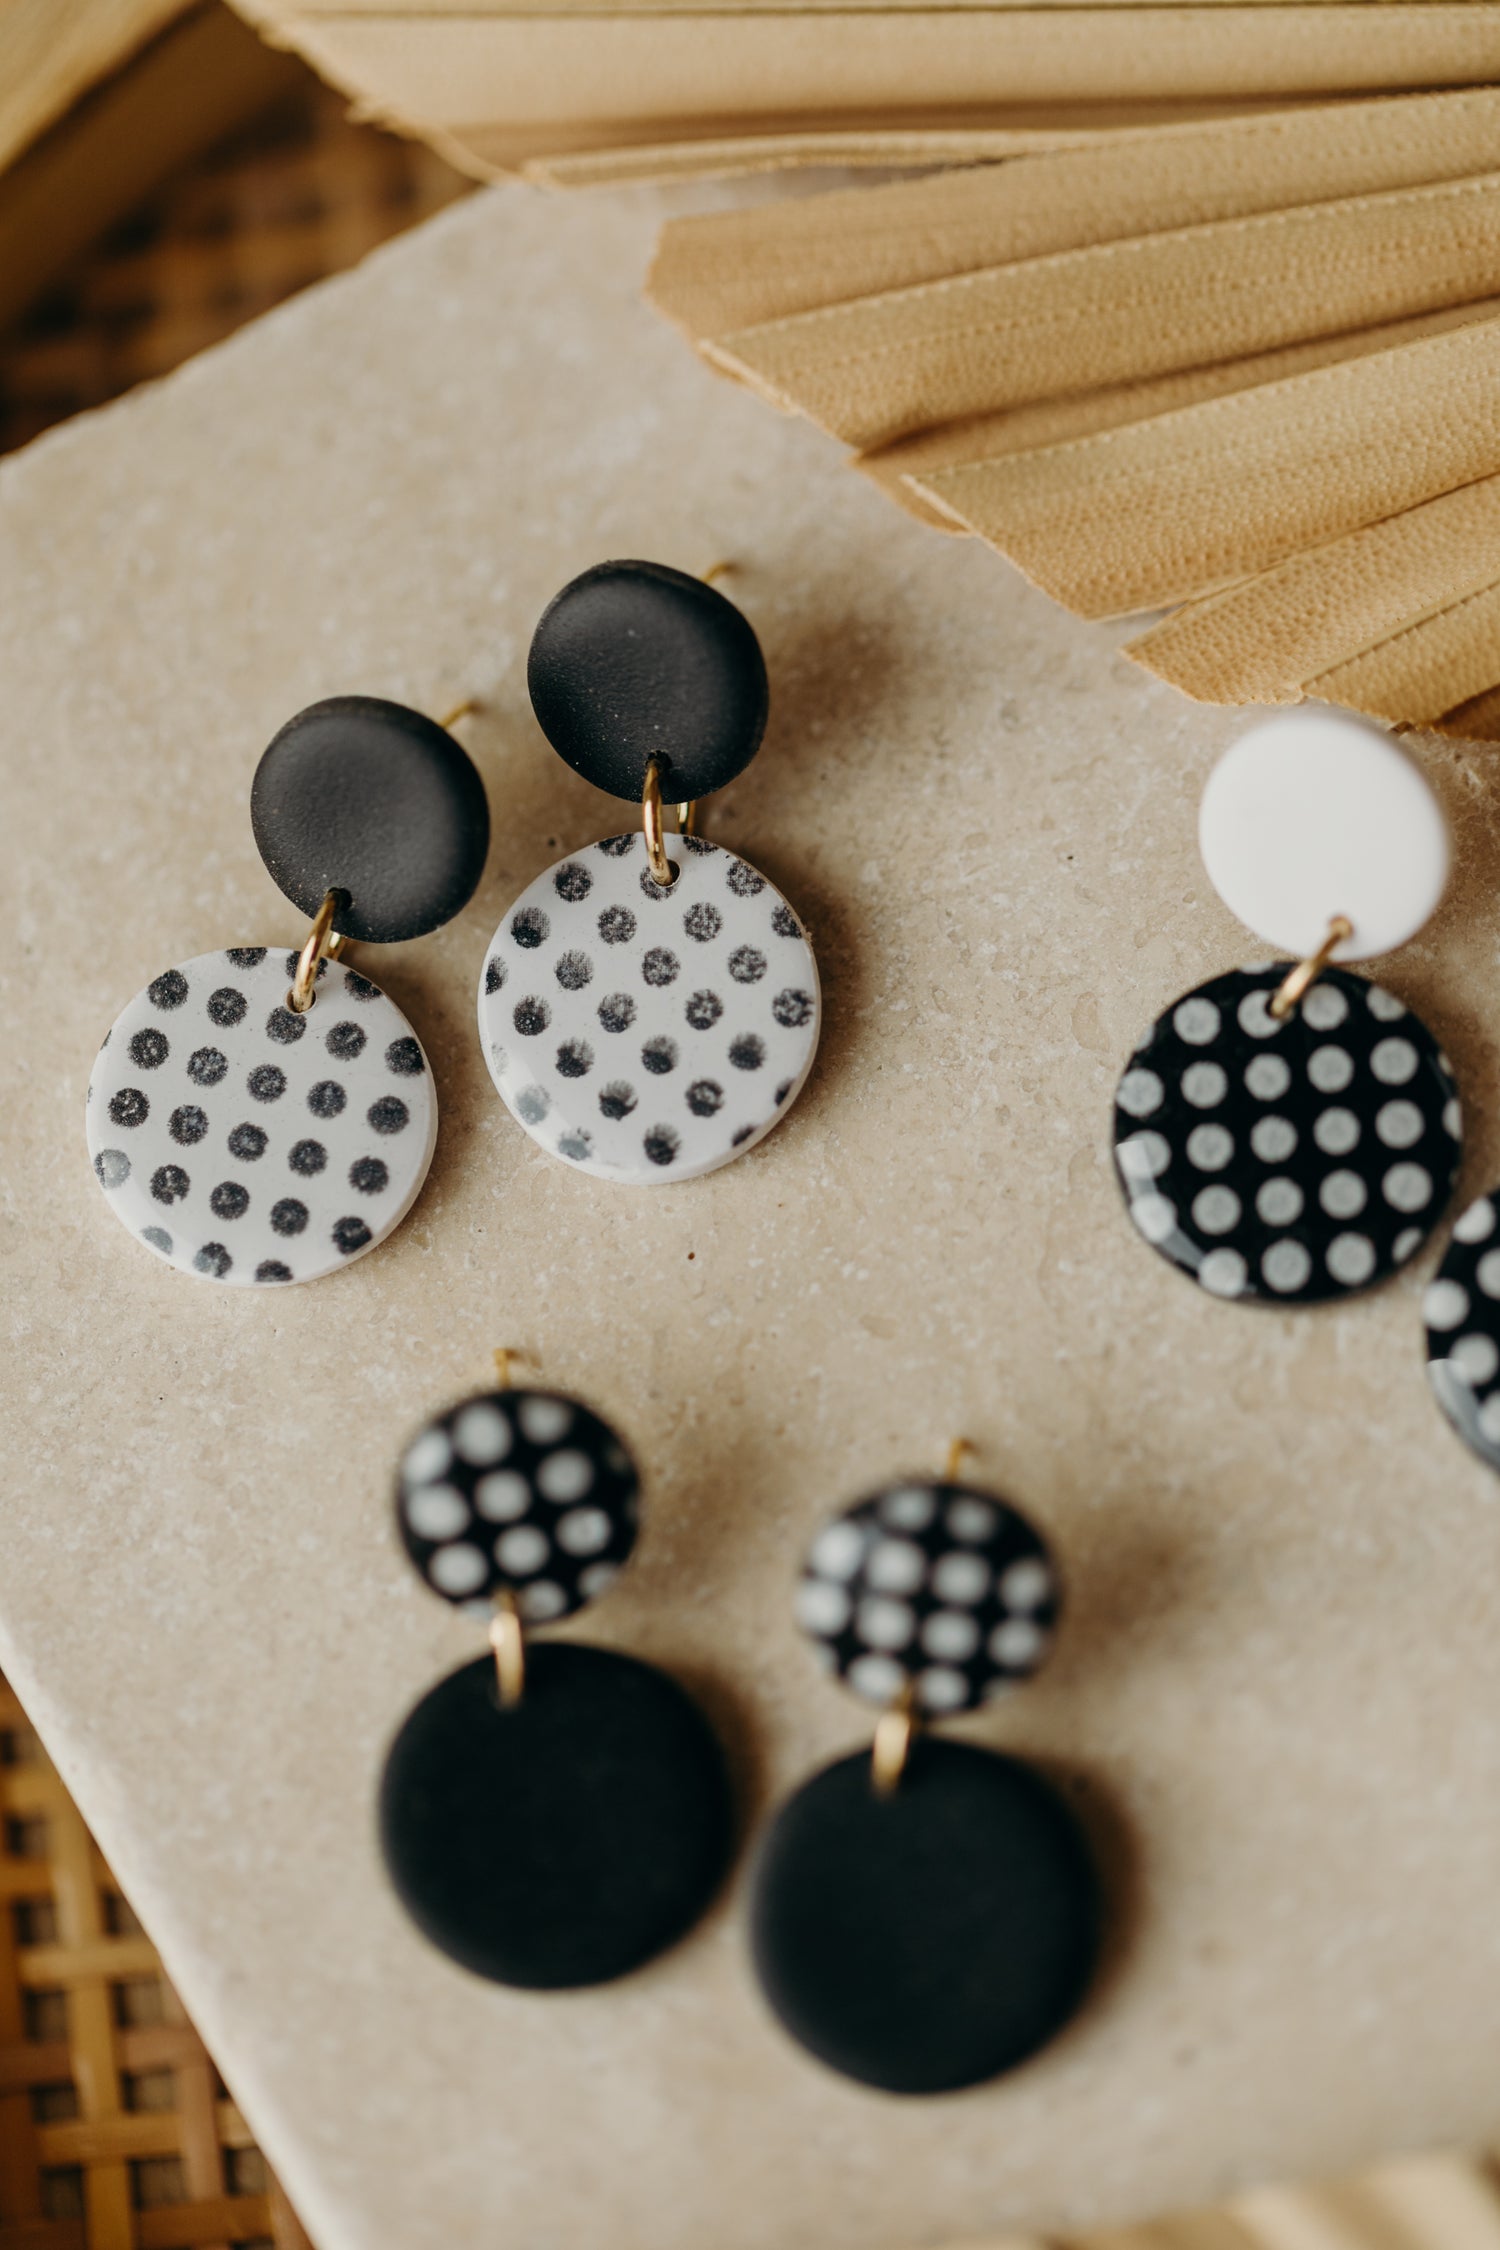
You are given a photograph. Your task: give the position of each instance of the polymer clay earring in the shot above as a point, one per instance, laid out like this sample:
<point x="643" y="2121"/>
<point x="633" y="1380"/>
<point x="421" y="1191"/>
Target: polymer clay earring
<point x="927" y="1917"/>
<point x="551" y="1815"/>
<point x="260" y="1115"/>
<point x="1461" y="1311"/>
<point x="650" y="1006"/>
<point x="1290" y="1133"/>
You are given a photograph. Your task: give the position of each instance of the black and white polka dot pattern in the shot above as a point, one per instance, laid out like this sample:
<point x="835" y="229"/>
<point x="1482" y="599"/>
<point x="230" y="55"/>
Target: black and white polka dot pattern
<point x="1462" y="1311"/>
<point x="250" y="1145"/>
<point x="1287" y="1161"/>
<point x="647" y="1034"/>
<point x="518" y="1491"/>
<point x="933" y="1589"/>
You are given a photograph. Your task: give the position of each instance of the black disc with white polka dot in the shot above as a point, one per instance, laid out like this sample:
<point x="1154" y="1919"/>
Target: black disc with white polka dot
<point x="1289" y="1161"/>
<point x="522" y="1492"/>
<point x="1462" y="1311"/>
<point x="934" y="1589"/>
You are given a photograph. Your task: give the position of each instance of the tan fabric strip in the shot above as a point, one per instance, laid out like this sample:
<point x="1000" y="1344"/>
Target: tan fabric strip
<point x="1416" y="675"/>
<point x="528" y="9"/>
<point x="1412" y="2203"/>
<point x="1405" y="2204"/>
<point x="874" y="370"/>
<point x="50" y="57"/>
<point x="1268" y="639"/>
<point x="601" y="152"/>
<point x="729" y="270"/>
<point x="584" y="156"/>
<point x="457" y="71"/>
<point x="984" y="437"/>
<point x="1178" y="506"/>
<point x="1478" y="720"/>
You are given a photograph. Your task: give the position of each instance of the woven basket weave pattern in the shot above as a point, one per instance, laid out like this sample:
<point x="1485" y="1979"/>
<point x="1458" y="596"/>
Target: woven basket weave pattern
<point x="116" y="2132"/>
<point x="300" y="195"/>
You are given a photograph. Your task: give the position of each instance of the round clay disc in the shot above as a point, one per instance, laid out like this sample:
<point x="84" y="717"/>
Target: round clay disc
<point x="648" y="1034"/>
<point x="931" y="1939"/>
<point x="635" y="661"/>
<point x="565" y="1841"/>
<point x="933" y="1590"/>
<point x="369" y="798"/>
<point x="1291" y="1161"/>
<point x="520" y="1492"/>
<point x="247" y="1144"/>
<point x="1462" y="1310"/>
<point x="1314" y="814"/>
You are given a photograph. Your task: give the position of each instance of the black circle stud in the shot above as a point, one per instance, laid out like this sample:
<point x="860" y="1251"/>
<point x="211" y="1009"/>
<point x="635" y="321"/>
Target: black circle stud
<point x="1461" y="1308"/>
<point x="932" y="1590"/>
<point x="368" y="798"/>
<point x="565" y="1840"/>
<point x="930" y="1939"/>
<point x="1290" y="1160"/>
<point x="518" y="1491"/>
<point x="635" y="661"/>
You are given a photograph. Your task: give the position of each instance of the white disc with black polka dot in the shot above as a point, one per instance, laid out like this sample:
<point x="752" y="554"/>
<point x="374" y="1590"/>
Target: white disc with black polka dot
<point x="247" y="1144"/>
<point x="934" y="1588"/>
<point x="523" y="1492"/>
<point x="1287" y="1160"/>
<point x="644" y="1033"/>
<point x="1462" y="1311"/>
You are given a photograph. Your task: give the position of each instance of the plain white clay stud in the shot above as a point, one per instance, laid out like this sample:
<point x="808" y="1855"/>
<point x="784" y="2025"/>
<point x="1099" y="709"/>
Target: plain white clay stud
<point x="1315" y="814"/>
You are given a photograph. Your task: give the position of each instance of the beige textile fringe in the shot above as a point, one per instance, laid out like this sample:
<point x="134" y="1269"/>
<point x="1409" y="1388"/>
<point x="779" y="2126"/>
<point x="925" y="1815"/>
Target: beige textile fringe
<point x="1186" y="306"/>
<point x="1416" y="2203"/>
<point x="599" y="89"/>
<point x="1249" y="366"/>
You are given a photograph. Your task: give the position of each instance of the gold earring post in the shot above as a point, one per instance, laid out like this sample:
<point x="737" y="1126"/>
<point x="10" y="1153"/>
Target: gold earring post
<point x="1307" y="972"/>
<point x="959" y="1450"/>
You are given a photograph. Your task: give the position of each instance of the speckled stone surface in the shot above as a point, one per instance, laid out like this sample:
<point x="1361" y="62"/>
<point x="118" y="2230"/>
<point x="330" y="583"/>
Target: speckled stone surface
<point x="1275" y="1702"/>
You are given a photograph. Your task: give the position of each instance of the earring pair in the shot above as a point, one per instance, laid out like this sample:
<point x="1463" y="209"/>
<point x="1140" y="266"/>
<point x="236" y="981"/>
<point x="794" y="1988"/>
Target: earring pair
<point x="923" y="1914"/>
<point x="648" y="1008"/>
<point x="1291" y="1133"/>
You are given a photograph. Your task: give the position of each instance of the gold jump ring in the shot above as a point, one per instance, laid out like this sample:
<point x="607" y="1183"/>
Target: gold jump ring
<point x="1307" y="972"/>
<point x="509" y="1644"/>
<point x="895" y="1731"/>
<point x="319" y="941"/>
<point x="662" y="870"/>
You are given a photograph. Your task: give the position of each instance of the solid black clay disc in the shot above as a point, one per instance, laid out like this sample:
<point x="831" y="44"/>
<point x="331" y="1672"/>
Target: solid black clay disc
<point x="568" y="1840"/>
<point x="928" y="1940"/>
<point x="634" y="661"/>
<point x="366" y="797"/>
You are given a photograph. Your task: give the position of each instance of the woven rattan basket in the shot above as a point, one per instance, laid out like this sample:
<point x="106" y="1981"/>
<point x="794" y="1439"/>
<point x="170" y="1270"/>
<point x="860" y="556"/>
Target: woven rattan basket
<point x="116" y="2132"/>
<point x="295" y="194"/>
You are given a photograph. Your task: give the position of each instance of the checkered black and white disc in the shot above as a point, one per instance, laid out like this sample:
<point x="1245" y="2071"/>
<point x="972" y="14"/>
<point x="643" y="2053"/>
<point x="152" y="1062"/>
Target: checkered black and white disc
<point x="934" y="1589"/>
<point x="522" y="1492"/>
